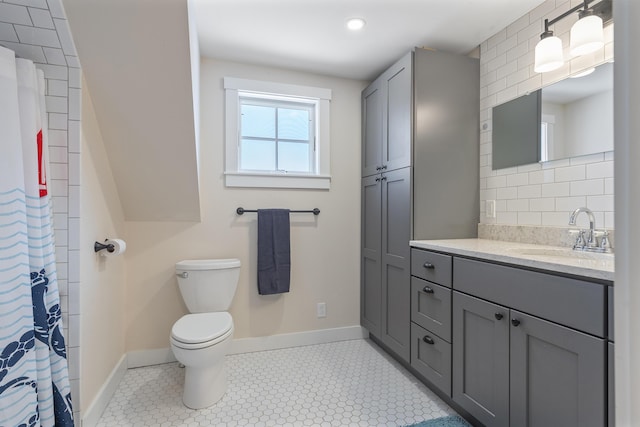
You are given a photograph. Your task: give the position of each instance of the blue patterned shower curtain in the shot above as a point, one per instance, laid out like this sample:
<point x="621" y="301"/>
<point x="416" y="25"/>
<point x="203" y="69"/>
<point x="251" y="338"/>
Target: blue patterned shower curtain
<point x="34" y="384"/>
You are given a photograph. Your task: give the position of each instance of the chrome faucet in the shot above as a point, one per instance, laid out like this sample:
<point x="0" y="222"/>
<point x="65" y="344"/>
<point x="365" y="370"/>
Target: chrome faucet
<point x="589" y="243"/>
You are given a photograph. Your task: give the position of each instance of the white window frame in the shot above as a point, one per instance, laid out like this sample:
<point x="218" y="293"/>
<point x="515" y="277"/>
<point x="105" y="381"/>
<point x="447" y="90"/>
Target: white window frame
<point x="319" y="179"/>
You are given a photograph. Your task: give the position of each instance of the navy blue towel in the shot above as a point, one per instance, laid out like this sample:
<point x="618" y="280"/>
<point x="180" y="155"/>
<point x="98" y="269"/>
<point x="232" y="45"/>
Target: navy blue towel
<point x="274" y="251"/>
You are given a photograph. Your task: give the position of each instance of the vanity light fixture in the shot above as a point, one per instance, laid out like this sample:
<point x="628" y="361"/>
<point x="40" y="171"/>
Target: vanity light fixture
<point x="582" y="73"/>
<point x="587" y="35"/>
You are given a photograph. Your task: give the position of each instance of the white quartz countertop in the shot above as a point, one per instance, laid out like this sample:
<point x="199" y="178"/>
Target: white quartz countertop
<point x="551" y="258"/>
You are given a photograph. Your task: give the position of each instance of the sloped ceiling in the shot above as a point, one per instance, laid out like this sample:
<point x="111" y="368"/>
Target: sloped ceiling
<point x="136" y="62"/>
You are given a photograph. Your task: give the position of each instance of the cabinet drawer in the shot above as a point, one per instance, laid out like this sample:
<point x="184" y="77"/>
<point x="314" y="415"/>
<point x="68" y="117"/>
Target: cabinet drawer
<point x="570" y="302"/>
<point x="431" y="266"/>
<point x="431" y="307"/>
<point x="431" y="357"/>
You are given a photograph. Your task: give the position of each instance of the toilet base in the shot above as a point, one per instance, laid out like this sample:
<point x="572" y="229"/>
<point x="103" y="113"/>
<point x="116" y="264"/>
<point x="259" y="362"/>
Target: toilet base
<point x="204" y="386"/>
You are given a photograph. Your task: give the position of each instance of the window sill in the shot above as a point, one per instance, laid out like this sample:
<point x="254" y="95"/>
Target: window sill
<point x="270" y="180"/>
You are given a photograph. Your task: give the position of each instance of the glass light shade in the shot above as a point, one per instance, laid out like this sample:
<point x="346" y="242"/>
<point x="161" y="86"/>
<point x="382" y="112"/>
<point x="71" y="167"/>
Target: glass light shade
<point x="548" y="55"/>
<point x="587" y="36"/>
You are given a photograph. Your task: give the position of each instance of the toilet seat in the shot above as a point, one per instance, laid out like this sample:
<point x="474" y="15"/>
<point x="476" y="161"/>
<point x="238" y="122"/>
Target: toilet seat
<point x="199" y="330"/>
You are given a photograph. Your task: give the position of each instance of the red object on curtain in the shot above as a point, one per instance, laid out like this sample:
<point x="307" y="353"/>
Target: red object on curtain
<point x="42" y="171"/>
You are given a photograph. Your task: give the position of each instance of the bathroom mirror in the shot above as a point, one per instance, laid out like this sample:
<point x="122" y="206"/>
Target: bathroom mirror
<point x="573" y="117"/>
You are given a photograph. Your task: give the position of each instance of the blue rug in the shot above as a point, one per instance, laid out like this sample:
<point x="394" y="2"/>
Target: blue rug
<point x="450" y="421"/>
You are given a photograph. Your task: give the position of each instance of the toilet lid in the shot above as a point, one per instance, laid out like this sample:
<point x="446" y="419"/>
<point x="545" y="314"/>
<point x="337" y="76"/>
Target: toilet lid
<point x="201" y="327"/>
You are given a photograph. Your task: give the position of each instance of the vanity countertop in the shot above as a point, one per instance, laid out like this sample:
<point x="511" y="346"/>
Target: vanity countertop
<point x="550" y="258"/>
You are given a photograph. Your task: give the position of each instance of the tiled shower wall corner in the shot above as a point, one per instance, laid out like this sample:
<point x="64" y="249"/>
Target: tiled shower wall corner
<point x="540" y="194"/>
<point x="38" y="30"/>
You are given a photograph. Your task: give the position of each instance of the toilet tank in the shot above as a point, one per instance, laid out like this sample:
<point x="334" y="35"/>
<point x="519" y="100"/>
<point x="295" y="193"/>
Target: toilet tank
<point x="208" y="285"/>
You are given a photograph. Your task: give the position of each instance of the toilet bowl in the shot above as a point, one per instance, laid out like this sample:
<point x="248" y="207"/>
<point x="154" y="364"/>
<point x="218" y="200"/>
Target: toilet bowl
<point x="200" y="342"/>
<point x="202" y="339"/>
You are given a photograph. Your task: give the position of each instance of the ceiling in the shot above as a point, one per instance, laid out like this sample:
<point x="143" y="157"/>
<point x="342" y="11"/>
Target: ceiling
<point x="135" y="56"/>
<point x="311" y="35"/>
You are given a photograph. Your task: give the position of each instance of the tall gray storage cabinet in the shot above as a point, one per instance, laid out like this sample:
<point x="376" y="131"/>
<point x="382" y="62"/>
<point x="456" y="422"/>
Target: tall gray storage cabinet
<point x="420" y="128"/>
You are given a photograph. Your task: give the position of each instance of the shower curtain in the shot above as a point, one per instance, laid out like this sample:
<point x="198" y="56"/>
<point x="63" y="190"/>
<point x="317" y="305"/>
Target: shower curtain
<point x="34" y="384"/>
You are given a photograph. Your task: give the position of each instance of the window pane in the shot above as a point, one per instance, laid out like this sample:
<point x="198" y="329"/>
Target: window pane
<point x="293" y="124"/>
<point x="293" y="157"/>
<point x="257" y="155"/>
<point x="258" y="121"/>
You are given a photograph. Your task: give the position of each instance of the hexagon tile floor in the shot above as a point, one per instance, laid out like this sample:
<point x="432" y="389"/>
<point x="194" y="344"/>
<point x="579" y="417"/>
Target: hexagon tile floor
<point x="347" y="383"/>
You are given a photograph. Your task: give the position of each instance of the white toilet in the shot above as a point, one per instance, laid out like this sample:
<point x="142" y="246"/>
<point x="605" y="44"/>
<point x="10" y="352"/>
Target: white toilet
<point x="201" y="340"/>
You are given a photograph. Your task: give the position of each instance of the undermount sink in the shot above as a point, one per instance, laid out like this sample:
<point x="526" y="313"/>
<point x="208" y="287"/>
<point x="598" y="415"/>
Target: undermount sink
<point x="561" y="253"/>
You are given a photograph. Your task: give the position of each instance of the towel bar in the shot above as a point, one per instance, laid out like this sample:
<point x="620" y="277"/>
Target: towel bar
<point x="314" y="211"/>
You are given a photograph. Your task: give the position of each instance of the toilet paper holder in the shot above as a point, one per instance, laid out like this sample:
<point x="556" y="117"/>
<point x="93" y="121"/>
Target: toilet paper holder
<point x="97" y="246"/>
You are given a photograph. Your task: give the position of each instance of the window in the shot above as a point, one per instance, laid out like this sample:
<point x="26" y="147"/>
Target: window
<point x="277" y="135"/>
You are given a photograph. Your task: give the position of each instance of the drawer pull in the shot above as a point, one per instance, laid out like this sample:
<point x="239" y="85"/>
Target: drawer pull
<point x="428" y="340"/>
<point x="515" y="322"/>
<point x="499" y="316"/>
<point x="429" y="265"/>
<point x="427" y="290"/>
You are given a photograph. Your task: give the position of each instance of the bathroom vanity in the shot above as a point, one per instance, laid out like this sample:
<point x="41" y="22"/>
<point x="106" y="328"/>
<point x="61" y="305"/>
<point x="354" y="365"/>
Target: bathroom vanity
<point x="514" y="334"/>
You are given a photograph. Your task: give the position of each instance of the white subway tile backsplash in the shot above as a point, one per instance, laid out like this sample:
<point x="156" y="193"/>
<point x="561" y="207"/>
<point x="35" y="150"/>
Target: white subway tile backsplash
<point x="41" y="18"/>
<point x="56" y="9"/>
<point x="588" y="187"/>
<point x="57" y="72"/>
<point x="58" y="121"/>
<point x="608" y="186"/>
<point x="75" y="78"/>
<point x="7" y="33"/>
<point x="600" y="170"/>
<point x="56" y="104"/>
<point x="34" y="53"/>
<point x="561" y="189"/>
<point x="57" y="88"/>
<point x="74" y="136"/>
<point x="542" y="204"/>
<point x="529" y="191"/>
<point x="591" y="158"/>
<point x="38" y="36"/>
<point x="609" y="220"/>
<point x="64" y="35"/>
<point x="517" y="179"/>
<point x="530" y="218"/>
<point x="14" y="14"/>
<point x="58" y="171"/>
<point x="571" y="173"/>
<point x="517" y="26"/>
<point x="507" y="193"/>
<point x="507" y="217"/>
<point x="75" y="100"/>
<point x="568" y="204"/>
<point x="517" y="205"/>
<point x="42" y="4"/>
<point x="542" y="176"/>
<point x="72" y="61"/>
<point x="496" y="181"/>
<point x="54" y="56"/>
<point x="600" y="203"/>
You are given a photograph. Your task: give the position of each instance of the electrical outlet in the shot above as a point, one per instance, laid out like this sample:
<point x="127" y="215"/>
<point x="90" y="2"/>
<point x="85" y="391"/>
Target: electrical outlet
<point x="490" y="209"/>
<point x="321" y="310"/>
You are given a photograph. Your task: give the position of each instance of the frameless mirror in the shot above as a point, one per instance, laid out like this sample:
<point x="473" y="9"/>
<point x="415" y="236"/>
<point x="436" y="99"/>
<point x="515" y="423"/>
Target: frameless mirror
<point x="573" y="117"/>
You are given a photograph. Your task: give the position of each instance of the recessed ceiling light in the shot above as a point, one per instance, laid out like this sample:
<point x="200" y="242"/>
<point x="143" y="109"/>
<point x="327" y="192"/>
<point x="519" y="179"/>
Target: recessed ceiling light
<point x="355" y="24"/>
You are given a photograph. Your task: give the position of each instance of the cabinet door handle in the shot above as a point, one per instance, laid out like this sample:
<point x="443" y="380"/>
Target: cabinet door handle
<point x="427" y="290"/>
<point x="428" y="340"/>
<point x="429" y="265"/>
<point x="384" y="178"/>
<point x="515" y="322"/>
<point x="499" y="316"/>
<point x="378" y="168"/>
<point x="384" y="167"/>
<point x="378" y="179"/>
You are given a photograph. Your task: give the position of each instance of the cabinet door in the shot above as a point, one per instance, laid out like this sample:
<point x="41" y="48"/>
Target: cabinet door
<point x="557" y="375"/>
<point x="370" y="266"/>
<point x="396" y="233"/>
<point x="611" y="401"/>
<point x="372" y="127"/>
<point x="481" y="359"/>
<point x="398" y="113"/>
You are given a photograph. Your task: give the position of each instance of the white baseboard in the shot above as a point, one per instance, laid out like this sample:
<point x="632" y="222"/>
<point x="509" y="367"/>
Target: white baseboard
<point x="158" y="356"/>
<point x="103" y="397"/>
<point x="296" y="339"/>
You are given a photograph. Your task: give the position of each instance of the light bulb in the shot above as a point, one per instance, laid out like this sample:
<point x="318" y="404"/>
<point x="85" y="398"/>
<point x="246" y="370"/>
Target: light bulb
<point x="587" y="35"/>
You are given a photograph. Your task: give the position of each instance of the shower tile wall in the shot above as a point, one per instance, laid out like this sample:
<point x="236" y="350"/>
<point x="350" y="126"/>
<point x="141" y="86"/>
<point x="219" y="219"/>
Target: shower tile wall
<point x="38" y="30"/>
<point x="538" y="194"/>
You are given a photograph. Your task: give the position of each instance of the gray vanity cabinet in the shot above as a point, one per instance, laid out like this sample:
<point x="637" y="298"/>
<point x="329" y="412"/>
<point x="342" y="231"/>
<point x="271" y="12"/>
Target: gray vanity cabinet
<point x="419" y="119"/>
<point x="386" y="119"/>
<point x="481" y="359"/>
<point x="386" y="225"/>
<point x="557" y="375"/>
<point x="529" y="348"/>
